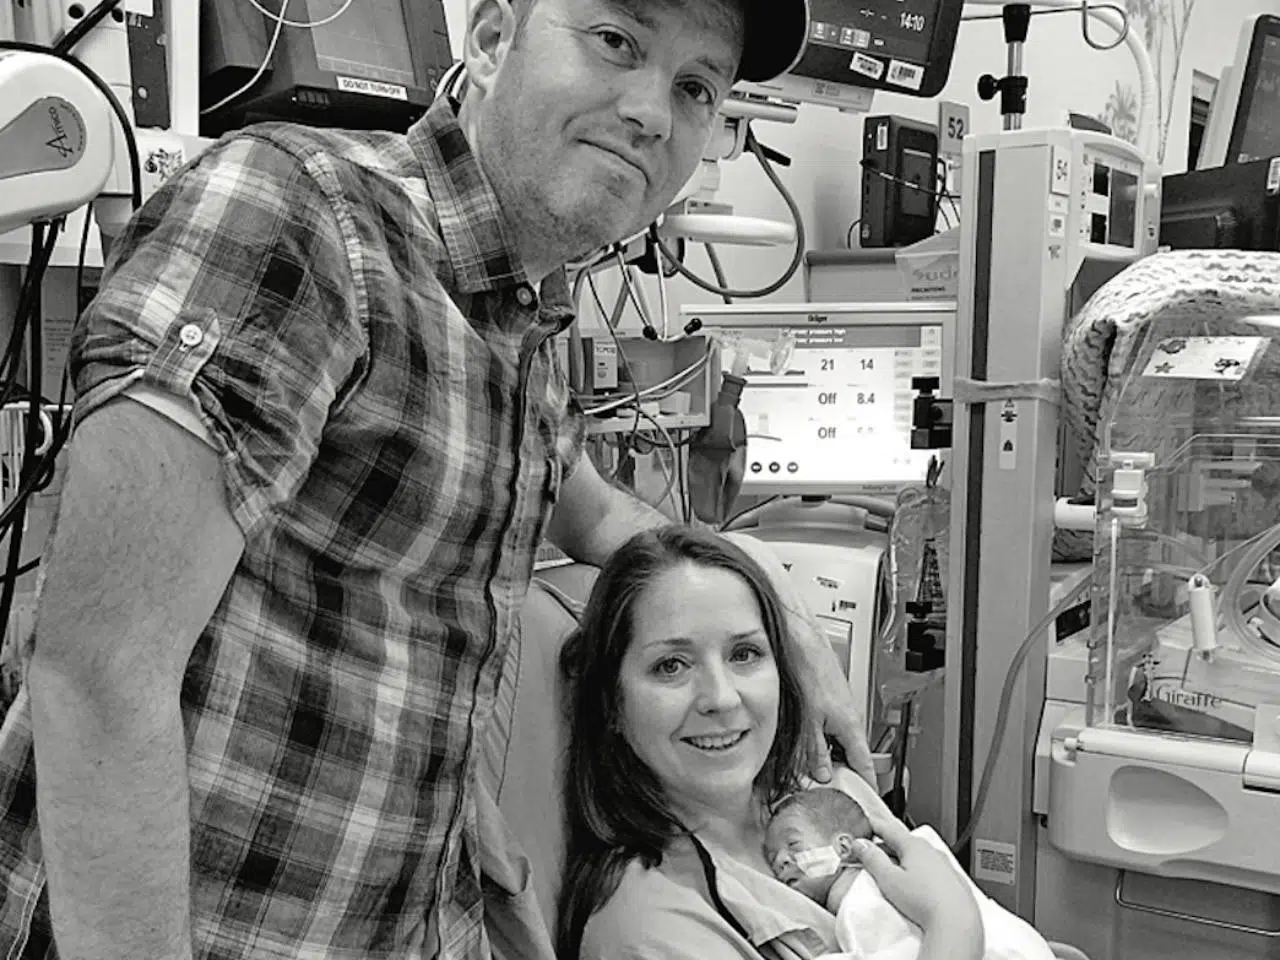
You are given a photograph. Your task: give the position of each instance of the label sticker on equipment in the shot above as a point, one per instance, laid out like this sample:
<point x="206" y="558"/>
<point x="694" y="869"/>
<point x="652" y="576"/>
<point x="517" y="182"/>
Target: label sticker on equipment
<point x="374" y="88"/>
<point x="1205" y="358"/>
<point x="1009" y="436"/>
<point x="1273" y="177"/>
<point x="867" y="66"/>
<point x="995" y="862"/>
<point x="907" y="75"/>
<point x="953" y="125"/>
<point x="1060" y="174"/>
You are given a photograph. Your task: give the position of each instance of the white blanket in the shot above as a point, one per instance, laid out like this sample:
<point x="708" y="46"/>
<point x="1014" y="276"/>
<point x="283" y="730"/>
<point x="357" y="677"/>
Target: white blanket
<point x="868" y="927"/>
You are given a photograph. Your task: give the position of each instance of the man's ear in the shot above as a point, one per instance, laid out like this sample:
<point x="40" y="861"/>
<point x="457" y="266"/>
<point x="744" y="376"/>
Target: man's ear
<point x="490" y="33"/>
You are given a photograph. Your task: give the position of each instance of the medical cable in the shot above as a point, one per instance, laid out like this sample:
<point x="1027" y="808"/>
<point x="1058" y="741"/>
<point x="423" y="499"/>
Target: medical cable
<point x="662" y="305"/>
<point x="576" y="346"/>
<point x="663" y="389"/>
<point x="262" y="67"/>
<point x="848" y="236"/>
<point x="308" y="25"/>
<point x="572" y="607"/>
<point x="735" y="521"/>
<point x="622" y="357"/>
<point x="1263" y="545"/>
<point x="879" y="512"/>
<point x="32" y="467"/>
<point x="1113" y="591"/>
<point x="870" y="167"/>
<point x="718" y="269"/>
<point x="669" y="471"/>
<point x="1033" y="637"/>
<point x="658" y="391"/>
<point x="796" y="259"/>
<point x="683" y="475"/>
<point x="68" y="41"/>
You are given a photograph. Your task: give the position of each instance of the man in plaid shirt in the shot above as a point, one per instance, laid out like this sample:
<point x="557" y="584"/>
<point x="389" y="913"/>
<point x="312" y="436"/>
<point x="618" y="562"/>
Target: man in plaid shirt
<point x="320" y="433"/>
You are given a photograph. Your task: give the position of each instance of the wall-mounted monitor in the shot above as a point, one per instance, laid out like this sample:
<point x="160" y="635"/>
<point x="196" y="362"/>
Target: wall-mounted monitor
<point x="857" y="47"/>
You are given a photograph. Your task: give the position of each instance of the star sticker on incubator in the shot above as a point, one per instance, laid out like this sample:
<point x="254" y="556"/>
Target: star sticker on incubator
<point x="1163" y="367"/>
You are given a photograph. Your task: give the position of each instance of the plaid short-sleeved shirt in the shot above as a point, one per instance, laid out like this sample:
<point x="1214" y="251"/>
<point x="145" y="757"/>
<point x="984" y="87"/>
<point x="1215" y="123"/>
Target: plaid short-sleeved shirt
<point x="362" y="346"/>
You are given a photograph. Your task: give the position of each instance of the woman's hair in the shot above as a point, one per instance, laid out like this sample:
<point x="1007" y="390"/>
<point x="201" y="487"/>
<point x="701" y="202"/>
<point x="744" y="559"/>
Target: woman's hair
<point x="615" y="807"/>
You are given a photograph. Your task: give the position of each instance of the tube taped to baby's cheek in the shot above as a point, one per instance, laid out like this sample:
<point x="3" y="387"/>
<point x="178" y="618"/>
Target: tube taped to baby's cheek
<point x="817" y="863"/>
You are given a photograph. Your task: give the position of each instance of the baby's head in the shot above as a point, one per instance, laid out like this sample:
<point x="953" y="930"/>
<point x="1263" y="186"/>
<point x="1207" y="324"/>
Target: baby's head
<point x="810" y="837"/>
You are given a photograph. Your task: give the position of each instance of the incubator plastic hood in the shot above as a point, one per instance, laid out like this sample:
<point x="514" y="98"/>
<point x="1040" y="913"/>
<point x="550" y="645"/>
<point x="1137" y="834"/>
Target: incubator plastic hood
<point x="1186" y="612"/>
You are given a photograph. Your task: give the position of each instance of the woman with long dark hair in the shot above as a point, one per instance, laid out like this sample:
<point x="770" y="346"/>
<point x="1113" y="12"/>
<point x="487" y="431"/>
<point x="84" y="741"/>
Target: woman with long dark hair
<point x="687" y="722"/>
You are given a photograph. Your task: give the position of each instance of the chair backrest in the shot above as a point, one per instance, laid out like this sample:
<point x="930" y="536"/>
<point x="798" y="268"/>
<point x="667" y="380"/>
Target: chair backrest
<point x="522" y="759"/>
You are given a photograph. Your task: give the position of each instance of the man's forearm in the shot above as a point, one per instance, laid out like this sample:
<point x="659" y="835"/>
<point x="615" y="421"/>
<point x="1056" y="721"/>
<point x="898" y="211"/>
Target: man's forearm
<point x="112" y="797"/>
<point x="800" y="622"/>
<point x="624" y="516"/>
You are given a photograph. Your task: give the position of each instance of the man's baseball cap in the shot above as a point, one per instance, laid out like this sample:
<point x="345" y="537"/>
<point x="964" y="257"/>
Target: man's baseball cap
<point x="776" y="31"/>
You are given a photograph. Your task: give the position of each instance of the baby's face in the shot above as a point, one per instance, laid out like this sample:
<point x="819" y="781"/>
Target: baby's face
<point x="786" y="835"/>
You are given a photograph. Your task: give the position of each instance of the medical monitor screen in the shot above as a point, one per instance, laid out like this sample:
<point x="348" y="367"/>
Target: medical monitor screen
<point x="369" y="40"/>
<point x="901" y="45"/>
<point x="899" y="31"/>
<point x="1256" y="135"/>
<point x="838" y="418"/>
<point x="856" y="47"/>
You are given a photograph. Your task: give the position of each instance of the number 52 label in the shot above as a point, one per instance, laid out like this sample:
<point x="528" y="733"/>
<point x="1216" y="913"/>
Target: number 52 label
<point x="953" y="125"/>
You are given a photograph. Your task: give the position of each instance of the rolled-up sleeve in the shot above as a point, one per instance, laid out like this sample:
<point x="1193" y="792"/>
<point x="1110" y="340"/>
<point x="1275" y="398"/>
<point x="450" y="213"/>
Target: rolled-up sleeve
<point x="233" y="287"/>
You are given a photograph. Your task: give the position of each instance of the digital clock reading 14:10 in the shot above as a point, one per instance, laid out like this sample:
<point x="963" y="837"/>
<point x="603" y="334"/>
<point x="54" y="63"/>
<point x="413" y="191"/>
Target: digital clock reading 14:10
<point x="914" y="21"/>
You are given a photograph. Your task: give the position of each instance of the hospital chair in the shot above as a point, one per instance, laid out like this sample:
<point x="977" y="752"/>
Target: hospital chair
<point x="522" y="760"/>
<point x="522" y="754"/>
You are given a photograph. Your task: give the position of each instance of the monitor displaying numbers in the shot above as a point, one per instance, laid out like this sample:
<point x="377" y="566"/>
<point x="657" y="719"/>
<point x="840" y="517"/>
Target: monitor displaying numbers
<point x="900" y="45"/>
<point x="837" y="418"/>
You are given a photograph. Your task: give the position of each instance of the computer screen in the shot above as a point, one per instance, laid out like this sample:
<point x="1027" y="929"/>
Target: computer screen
<point x="828" y="411"/>
<point x="360" y="64"/>
<point x="1244" y="121"/>
<point x="859" y="46"/>
<point x="370" y="40"/>
<point x="1256" y="134"/>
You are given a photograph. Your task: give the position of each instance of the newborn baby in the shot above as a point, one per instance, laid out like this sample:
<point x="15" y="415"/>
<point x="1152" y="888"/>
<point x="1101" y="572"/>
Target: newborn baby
<point x="809" y="843"/>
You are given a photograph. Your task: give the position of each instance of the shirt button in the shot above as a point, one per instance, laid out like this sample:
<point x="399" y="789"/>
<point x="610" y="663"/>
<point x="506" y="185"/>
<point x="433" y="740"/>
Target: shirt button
<point x="525" y="296"/>
<point x="190" y="335"/>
